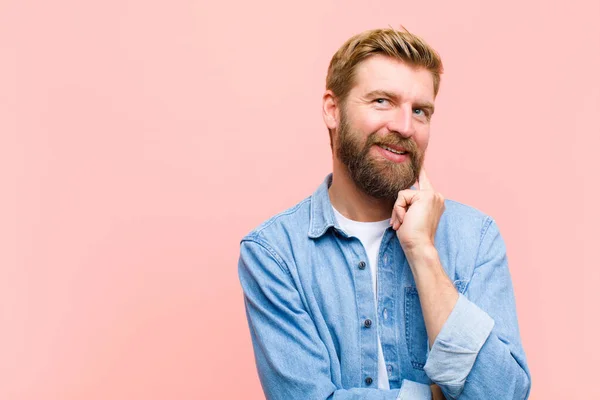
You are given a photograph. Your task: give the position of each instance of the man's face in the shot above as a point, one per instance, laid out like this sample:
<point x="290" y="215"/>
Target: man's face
<point x="387" y="112"/>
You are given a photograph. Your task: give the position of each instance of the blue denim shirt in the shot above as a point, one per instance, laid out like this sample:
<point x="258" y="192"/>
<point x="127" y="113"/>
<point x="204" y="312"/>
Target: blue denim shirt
<point x="308" y="294"/>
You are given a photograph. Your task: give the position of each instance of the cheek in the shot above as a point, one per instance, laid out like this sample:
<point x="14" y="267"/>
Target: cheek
<point x="422" y="140"/>
<point x="369" y="122"/>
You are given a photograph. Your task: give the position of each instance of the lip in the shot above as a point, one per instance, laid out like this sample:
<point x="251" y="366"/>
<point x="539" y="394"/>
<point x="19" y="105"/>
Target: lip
<point x="397" y="148"/>
<point x="397" y="158"/>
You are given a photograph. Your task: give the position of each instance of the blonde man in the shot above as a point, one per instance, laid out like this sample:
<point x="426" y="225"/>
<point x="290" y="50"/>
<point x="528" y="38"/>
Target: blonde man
<point x="375" y="286"/>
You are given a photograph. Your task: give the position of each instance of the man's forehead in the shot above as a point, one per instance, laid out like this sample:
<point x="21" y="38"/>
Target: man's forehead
<point x="382" y="73"/>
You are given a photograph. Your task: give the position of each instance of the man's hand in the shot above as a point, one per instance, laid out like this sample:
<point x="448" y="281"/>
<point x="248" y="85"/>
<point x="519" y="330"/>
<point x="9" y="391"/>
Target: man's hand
<point x="416" y="215"/>
<point x="436" y="393"/>
<point x="415" y="218"/>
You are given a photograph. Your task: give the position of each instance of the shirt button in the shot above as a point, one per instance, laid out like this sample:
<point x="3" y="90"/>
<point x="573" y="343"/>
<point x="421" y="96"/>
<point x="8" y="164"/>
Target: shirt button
<point x="389" y="369"/>
<point x="368" y="380"/>
<point x="368" y="323"/>
<point x="385" y="313"/>
<point x="362" y="265"/>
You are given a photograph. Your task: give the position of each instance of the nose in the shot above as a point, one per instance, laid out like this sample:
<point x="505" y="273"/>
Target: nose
<point x="402" y="122"/>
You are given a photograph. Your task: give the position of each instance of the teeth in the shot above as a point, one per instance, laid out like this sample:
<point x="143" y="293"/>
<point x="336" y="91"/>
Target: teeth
<point x="394" y="151"/>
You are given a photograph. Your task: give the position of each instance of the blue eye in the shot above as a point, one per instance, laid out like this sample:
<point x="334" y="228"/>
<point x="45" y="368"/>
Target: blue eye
<point x="418" y="111"/>
<point x="380" y="101"/>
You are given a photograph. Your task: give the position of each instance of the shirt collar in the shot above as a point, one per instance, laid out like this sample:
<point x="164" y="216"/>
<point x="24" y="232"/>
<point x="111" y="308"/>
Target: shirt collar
<point x="321" y="211"/>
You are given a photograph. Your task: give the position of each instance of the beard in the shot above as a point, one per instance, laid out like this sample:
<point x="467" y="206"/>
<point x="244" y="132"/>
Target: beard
<point x="377" y="177"/>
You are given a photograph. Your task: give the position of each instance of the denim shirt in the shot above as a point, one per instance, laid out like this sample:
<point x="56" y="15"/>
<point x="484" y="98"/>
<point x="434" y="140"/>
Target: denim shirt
<point x="314" y="321"/>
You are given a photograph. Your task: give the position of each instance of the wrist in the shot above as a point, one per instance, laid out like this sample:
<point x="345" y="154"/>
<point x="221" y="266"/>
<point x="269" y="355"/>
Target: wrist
<point x="421" y="252"/>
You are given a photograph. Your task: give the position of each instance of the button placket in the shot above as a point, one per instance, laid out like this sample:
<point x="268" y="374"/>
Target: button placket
<point x="366" y="306"/>
<point x="388" y="269"/>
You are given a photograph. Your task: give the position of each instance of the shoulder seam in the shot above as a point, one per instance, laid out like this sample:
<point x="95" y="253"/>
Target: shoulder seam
<point x="486" y="225"/>
<point x="484" y="229"/>
<point x="270" y="250"/>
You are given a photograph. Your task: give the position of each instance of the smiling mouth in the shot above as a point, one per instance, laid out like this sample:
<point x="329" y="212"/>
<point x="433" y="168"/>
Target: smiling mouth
<point x="393" y="150"/>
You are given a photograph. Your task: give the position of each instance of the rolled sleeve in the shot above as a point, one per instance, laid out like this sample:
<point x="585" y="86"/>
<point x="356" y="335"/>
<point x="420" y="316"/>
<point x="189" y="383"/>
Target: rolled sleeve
<point x="414" y="391"/>
<point x="455" y="349"/>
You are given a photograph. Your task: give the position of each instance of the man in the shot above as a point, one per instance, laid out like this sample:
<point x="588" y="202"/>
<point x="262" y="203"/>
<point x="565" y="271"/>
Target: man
<point x="375" y="287"/>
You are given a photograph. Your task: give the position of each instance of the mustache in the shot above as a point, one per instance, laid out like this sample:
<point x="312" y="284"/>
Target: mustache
<point x="391" y="141"/>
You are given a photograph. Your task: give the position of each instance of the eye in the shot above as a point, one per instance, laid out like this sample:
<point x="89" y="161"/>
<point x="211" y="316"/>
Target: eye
<point x="421" y="112"/>
<point x="381" y="101"/>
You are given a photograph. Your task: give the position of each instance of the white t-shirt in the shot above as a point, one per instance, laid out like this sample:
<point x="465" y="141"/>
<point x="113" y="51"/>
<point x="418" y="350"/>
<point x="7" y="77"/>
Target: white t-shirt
<point x="370" y="235"/>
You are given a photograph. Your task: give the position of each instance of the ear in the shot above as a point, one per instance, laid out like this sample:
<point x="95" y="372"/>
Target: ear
<point x="330" y="110"/>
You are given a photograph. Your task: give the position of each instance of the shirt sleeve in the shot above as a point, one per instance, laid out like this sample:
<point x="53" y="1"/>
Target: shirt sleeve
<point x="478" y="353"/>
<point x="292" y="361"/>
<point x="414" y="390"/>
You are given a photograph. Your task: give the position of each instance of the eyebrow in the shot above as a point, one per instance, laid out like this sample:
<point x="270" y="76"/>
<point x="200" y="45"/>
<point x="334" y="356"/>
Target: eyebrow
<point x="384" y="93"/>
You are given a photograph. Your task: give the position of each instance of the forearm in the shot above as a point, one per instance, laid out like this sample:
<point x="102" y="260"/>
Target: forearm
<point x="436" y="292"/>
<point x="468" y="345"/>
<point x="478" y="353"/>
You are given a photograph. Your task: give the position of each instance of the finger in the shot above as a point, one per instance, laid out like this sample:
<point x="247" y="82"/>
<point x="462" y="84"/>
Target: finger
<point x="404" y="200"/>
<point x="423" y="181"/>
<point x="397" y="223"/>
<point x="400" y="213"/>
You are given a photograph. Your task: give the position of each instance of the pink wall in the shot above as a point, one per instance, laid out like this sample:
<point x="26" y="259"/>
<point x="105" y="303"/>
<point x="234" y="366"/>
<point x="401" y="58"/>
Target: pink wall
<point x="140" y="140"/>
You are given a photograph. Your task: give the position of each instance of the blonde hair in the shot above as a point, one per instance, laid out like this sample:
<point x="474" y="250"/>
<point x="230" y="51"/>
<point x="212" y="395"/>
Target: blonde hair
<point x="401" y="45"/>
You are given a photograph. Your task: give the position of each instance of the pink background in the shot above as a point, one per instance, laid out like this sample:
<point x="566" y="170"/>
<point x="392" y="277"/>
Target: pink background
<point x="140" y="140"/>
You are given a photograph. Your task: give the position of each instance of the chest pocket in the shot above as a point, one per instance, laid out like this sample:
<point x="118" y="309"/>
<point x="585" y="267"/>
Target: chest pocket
<point x="416" y="333"/>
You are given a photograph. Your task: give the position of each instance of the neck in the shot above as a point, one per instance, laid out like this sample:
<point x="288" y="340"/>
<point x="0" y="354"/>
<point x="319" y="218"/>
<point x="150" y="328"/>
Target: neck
<point x="353" y="203"/>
